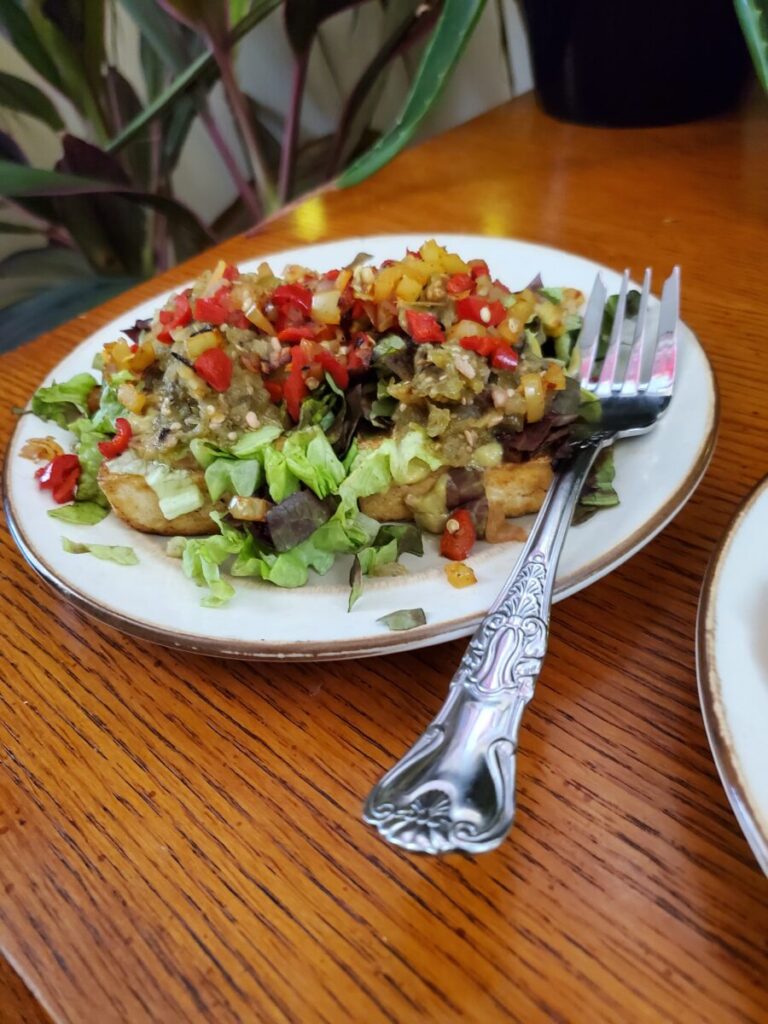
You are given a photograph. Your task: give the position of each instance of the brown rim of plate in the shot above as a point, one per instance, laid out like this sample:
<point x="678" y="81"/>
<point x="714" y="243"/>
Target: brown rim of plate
<point x="388" y="643"/>
<point x="710" y="688"/>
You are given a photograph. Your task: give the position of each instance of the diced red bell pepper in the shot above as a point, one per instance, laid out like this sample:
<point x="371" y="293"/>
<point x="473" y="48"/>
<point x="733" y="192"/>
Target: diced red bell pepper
<point x="331" y="275"/>
<point x="295" y="389"/>
<point x="293" y="295"/>
<point x="329" y="362"/>
<point x="275" y="390"/>
<point x="479" y="268"/>
<point x="504" y="357"/>
<point x="231" y="272"/>
<point x="360" y="352"/>
<point x="458" y="283"/>
<point x="475" y="307"/>
<point x="423" y="327"/>
<point x="237" y="318"/>
<point x="214" y="309"/>
<point x="459" y="536"/>
<point x="117" y="444"/>
<point x="179" y="316"/>
<point x="357" y="310"/>
<point x="484" y="344"/>
<point x="215" y="367"/>
<point x="291" y="335"/>
<point x="60" y="476"/>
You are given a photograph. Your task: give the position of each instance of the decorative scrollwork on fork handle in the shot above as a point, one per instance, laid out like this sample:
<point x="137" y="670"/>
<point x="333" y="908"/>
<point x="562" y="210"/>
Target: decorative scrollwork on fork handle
<point x="455" y="788"/>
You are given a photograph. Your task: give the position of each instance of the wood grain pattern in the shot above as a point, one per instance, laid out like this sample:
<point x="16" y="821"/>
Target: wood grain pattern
<point x="180" y="838"/>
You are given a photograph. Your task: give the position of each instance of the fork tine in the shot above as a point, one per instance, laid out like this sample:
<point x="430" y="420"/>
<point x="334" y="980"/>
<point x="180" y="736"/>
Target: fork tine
<point x="608" y="372"/>
<point x="632" y="376"/>
<point x="590" y="330"/>
<point x="660" y="377"/>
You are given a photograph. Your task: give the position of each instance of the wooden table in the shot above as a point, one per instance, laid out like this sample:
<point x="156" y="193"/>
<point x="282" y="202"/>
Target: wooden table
<point x="180" y="838"/>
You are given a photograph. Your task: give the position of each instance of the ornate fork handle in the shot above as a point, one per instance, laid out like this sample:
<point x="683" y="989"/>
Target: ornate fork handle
<point x="455" y="788"/>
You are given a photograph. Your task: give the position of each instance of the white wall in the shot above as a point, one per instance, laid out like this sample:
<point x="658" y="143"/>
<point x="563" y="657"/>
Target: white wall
<point x="482" y="80"/>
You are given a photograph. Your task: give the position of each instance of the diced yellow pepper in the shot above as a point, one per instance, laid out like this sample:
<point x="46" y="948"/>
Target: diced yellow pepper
<point x="417" y="269"/>
<point x="454" y="264"/>
<point x="409" y="289"/>
<point x="460" y="575"/>
<point x="386" y="282"/>
<point x="343" y="280"/>
<point x="117" y="355"/>
<point x="258" y="319"/>
<point x="200" y="343"/>
<point x="554" y="377"/>
<point x="130" y="396"/>
<point x="143" y="357"/>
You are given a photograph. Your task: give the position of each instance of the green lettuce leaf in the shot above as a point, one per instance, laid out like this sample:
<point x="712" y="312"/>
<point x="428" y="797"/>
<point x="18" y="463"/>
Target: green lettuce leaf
<point x="177" y="493"/>
<point x="280" y="480"/>
<point x="61" y="402"/>
<point x="84" y="513"/>
<point x="110" y="406"/>
<point x="203" y="556"/>
<point x="406" y="618"/>
<point x="598" y="491"/>
<point x="87" y="451"/>
<point x="107" y="552"/>
<point x="310" y="457"/>
<point x="252" y="443"/>
<point x="233" y="476"/>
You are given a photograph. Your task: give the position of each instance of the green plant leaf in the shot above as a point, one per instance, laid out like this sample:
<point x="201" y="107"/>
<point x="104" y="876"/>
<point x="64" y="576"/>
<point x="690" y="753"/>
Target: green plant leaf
<point x="74" y="37"/>
<point x="404" y="27"/>
<point x="22" y="34"/>
<point x="124" y="105"/>
<point x="161" y="33"/>
<point x="441" y="55"/>
<point x="48" y="304"/>
<point x="202" y="66"/>
<point x="6" y="228"/>
<point x="25" y="98"/>
<point x="753" y="17"/>
<point x="189" y="234"/>
<point x="237" y="10"/>
<point x="207" y="16"/>
<point x="303" y="17"/>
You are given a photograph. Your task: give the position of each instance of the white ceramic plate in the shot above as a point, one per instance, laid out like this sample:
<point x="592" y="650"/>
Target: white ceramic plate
<point x="732" y="665"/>
<point x="656" y="474"/>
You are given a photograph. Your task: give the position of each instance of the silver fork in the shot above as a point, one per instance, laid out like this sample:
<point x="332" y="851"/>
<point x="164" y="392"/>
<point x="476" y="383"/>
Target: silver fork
<point x="455" y="788"/>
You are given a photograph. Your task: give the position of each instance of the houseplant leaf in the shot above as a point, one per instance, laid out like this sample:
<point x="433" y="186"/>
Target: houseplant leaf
<point x="162" y="34"/>
<point x="404" y="27"/>
<point x="303" y="18"/>
<point x="200" y="67"/>
<point x="106" y="227"/>
<point x="25" y="98"/>
<point x="73" y="34"/>
<point x="21" y="182"/>
<point x="23" y="35"/>
<point x="753" y="17"/>
<point x="440" y="56"/>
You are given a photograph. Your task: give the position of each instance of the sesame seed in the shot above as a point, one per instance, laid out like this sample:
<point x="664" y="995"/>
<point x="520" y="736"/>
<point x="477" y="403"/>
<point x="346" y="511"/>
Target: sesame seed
<point x="232" y="435"/>
<point x="210" y="409"/>
<point x="452" y="526"/>
<point x="252" y="419"/>
<point x="485" y="315"/>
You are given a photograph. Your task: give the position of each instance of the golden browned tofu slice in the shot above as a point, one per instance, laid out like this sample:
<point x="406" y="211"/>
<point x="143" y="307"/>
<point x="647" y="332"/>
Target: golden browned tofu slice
<point x="133" y="500"/>
<point x="517" y="488"/>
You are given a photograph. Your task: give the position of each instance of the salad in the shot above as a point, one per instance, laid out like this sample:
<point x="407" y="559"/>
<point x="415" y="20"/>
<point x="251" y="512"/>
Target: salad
<point x="269" y="424"/>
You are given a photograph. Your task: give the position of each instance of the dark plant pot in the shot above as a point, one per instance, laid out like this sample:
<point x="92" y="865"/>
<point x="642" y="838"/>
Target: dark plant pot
<point x="651" y="62"/>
